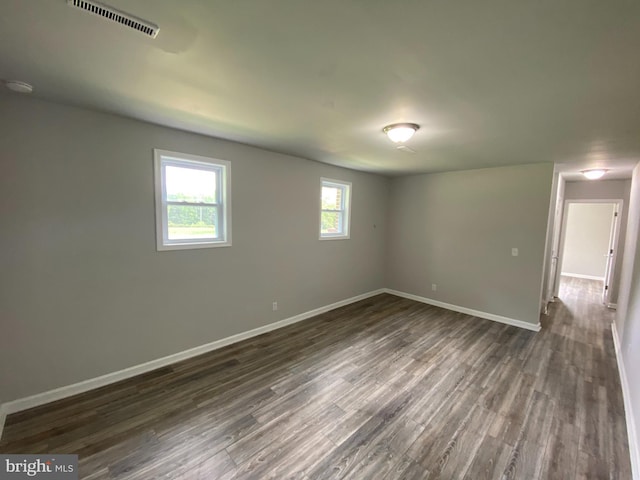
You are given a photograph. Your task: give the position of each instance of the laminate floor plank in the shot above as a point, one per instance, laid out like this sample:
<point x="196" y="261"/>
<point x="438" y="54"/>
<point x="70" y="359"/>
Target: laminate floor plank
<point x="446" y="449"/>
<point x="383" y="455"/>
<point x="218" y="467"/>
<point x="290" y="457"/>
<point x="348" y="454"/>
<point x="385" y="388"/>
<point x="490" y="460"/>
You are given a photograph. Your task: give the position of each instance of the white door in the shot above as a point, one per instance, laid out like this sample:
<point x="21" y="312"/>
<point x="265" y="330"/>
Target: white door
<point x="611" y="254"/>
<point x="556" y="245"/>
<point x="552" y="284"/>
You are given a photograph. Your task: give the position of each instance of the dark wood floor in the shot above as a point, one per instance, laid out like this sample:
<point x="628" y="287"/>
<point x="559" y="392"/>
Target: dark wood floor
<point x="383" y="389"/>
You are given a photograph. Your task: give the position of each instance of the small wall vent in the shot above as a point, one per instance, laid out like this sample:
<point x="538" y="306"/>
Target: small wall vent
<point x="110" y="13"/>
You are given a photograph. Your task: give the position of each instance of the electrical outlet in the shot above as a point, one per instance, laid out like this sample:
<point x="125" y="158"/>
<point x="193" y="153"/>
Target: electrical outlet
<point x="514" y="252"/>
<point x="434" y="287"/>
<point x="275" y="306"/>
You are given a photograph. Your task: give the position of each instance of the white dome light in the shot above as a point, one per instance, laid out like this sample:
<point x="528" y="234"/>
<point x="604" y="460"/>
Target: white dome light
<point x="594" y="174"/>
<point x="18" y="86"/>
<point x="400" y="132"/>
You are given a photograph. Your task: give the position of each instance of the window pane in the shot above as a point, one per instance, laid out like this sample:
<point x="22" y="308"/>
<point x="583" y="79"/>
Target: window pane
<point x="190" y="184"/>
<point x="191" y="222"/>
<point x="331" y="222"/>
<point x="331" y="198"/>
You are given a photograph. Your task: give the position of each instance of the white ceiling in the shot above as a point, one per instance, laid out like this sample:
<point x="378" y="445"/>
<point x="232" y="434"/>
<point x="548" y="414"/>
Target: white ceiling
<point x="491" y="83"/>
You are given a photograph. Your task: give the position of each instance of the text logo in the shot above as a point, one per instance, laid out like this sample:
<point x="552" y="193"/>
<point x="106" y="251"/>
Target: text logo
<point x="51" y="467"/>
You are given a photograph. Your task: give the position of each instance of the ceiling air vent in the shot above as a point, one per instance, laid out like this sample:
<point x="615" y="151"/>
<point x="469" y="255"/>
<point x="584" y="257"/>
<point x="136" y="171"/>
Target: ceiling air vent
<point x="117" y="16"/>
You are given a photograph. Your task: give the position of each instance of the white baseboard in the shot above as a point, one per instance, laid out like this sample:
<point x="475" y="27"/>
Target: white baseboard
<point x="468" y="311"/>
<point x="97" y="382"/>
<point x="580" y="275"/>
<point x="634" y="441"/>
<point x="92" y="383"/>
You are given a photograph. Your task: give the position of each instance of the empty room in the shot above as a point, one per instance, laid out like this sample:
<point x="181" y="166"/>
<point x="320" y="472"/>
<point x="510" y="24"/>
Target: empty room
<point x="319" y="240"/>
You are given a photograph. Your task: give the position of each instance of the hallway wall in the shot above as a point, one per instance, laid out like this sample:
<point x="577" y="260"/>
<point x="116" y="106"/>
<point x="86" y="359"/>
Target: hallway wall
<point x="628" y="319"/>
<point x="606" y="190"/>
<point x="586" y="242"/>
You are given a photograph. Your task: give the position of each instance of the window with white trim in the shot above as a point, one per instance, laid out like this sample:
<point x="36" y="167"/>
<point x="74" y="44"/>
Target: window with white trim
<point x="335" y="209"/>
<point x="193" y="201"/>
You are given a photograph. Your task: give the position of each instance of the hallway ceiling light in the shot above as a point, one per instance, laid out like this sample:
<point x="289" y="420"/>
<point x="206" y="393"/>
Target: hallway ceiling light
<point x="400" y="132"/>
<point x="18" y="86"/>
<point x="594" y="173"/>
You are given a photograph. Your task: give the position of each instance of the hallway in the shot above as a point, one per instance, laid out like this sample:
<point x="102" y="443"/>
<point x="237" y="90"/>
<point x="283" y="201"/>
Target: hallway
<point x="582" y="354"/>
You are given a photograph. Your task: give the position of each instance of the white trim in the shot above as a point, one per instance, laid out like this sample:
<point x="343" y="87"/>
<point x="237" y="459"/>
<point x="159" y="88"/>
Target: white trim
<point x="3" y="417"/>
<point x="199" y="162"/>
<point x="468" y="311"/>
<point x="634" y="442"/>
<point x="92" y="383"/>
<point x="97" y="382"/>
<point x="346" y="220"/>
<point x="612" y="251"/>
<point x="547" y="259"/>
<point x="620" y="206"/>
<point x="559" y="240"/>
<point x="580" y="275"/>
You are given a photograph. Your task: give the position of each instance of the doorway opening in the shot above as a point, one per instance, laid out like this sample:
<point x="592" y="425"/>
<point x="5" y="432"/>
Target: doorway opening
<point x="589" y="245"/>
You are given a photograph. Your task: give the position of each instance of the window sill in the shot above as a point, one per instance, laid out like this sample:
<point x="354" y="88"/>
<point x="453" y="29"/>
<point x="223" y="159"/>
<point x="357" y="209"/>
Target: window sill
<point x="191" y="246"/>
<point x="336" y="237"/>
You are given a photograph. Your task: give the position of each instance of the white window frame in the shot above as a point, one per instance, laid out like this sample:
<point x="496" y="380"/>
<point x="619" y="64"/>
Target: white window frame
<point x="163" y="158"/>
<point x="345" y="209"/>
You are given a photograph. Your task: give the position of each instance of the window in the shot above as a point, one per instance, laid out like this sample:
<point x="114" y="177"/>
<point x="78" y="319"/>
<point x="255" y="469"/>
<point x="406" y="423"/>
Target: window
<point x="193" y="201"/>
<point x="335" y="201"/>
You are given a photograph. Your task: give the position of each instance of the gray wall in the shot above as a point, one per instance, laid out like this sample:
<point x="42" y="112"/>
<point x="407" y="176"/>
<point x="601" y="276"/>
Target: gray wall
<point x="84" y="291"/>
<point x="457" y="229"/>
<point x="606" y="190"/>
<point x="586" y="240"/>
<point x="628" y="314"/>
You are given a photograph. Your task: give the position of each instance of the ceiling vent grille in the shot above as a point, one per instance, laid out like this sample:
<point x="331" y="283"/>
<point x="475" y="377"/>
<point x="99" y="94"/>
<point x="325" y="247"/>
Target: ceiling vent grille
<point x="117" y="16"/>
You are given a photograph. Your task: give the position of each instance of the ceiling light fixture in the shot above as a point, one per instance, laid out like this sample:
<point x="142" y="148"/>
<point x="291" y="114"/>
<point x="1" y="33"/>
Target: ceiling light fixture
<point x="594" y="173"/>
<point x="400" y="132"/>
<point x="18" y="86"/>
